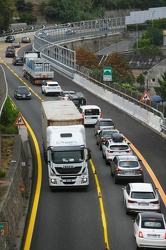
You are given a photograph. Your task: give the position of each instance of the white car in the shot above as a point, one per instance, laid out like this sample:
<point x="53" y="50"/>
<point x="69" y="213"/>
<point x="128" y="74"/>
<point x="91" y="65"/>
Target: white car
<point x="51" y="87"/>
<point x="140" y="197"/>
<point x="150" y="230"/>
<point x="113" y="147"/>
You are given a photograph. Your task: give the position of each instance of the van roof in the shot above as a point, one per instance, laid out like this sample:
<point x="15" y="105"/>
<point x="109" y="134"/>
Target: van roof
<point x="89" y="107"/>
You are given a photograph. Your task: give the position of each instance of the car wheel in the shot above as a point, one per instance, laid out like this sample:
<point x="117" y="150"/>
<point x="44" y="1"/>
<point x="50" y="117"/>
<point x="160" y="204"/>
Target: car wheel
<point x="103" y="155"/>
<point x="112" y="172"/>
<point x="106" y="161"/>
<point x="100" y="147"/>
<point x="115" y="179"/>
<point x="42" y="92"/>
<point x="127" y="212"/>
<point x="138" y="248"/>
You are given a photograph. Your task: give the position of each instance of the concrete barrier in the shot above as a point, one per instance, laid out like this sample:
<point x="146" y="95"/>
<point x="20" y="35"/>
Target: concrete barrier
<point x="132" y="109"/>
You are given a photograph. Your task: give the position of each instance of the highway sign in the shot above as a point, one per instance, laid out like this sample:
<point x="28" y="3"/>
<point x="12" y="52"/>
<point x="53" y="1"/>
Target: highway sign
<point x="107" y="73"/>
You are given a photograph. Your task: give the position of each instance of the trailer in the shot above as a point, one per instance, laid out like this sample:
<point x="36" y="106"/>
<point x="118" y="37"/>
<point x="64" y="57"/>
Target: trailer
<point x="64" y="145"/>
<point x="36" y="69"/>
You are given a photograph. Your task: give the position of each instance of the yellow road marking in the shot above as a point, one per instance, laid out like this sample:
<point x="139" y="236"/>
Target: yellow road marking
<point x="101" y="207"/>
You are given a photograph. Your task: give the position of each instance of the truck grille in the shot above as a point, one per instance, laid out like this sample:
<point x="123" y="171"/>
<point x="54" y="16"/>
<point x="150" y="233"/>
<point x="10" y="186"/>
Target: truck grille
<point x="71" y="171"/>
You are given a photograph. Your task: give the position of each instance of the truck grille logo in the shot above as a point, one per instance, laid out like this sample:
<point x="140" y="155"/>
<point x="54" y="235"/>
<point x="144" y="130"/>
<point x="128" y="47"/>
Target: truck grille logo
<point x="68" y="166"/>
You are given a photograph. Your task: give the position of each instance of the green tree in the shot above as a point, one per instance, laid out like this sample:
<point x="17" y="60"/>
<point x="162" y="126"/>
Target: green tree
<point x="141" y="79"/>
<point x="8" y="117"/>
<point x="50" y="12"/>
<point x="163" y="86"/>
<point x="20" y="5"/>
<point x="28" y="18"/>
<point x="5" y="15"/>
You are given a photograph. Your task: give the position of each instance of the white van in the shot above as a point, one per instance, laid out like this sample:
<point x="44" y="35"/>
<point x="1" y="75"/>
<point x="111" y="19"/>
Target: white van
<point x="90" y="113"/>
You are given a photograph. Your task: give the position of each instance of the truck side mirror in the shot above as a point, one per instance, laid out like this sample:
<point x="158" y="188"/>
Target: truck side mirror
<point x="88" y="154"/>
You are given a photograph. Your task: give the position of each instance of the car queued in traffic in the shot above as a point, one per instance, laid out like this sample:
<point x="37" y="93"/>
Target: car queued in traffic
<point x="140" y="199"/>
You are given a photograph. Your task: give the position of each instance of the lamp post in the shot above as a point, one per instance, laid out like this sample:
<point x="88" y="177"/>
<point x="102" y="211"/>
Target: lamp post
<point x="136" y="34"/>
<point x="153" y="18"/>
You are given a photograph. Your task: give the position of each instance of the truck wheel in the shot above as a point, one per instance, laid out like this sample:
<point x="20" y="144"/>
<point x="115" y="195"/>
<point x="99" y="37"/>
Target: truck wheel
<point x="106" y="161"/>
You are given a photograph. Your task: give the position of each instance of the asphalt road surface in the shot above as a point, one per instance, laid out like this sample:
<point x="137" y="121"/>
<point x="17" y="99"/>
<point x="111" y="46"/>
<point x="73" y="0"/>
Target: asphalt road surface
<point x="72" y="220"/>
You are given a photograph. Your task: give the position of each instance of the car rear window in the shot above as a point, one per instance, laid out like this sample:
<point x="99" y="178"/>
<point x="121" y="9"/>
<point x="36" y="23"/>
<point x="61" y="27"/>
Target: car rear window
<point x="92" y="112"/>
<point x="142" y="195"/>
<point x="128" y="164"/>
<point x="155" y="223"/>
<point x="106" y="123"/>
<point x="53" y="85"/>
<point x="119" y="147"/>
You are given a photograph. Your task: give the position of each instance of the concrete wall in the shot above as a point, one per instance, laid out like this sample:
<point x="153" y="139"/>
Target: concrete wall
<point x="14" y="201"/>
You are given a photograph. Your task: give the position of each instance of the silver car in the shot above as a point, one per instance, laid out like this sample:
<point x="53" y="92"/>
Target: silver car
<point x="126" y="167"/>
<point x="103" y="123"/>
<point x="112" y="148"/>
<point x="139" y="197"/>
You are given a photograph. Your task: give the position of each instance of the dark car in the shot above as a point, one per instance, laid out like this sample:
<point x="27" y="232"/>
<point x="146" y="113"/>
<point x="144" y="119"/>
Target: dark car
<point x="9" y="39"/>
<point x="26" y="39"/>
<point x="78" y="99"/>
<point x="103" y="136"/>
<point x="10" y="51"/>
<point x="18" y="60"/>
<point x="22" y="92"/>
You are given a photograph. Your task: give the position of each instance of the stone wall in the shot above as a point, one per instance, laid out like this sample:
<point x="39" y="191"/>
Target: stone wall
<point x="14" y="194"/>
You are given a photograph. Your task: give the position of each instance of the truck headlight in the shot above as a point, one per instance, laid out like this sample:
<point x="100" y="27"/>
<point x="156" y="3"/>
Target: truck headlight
<point x="53" y="181"/>
<point x="84" y="180"/>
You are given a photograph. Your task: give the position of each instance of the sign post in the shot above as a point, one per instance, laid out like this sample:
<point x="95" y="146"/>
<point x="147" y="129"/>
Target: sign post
<point x="107" y="74"/>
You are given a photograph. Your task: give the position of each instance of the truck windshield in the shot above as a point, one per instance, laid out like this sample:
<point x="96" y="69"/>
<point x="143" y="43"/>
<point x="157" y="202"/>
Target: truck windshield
<point x="68" y="156"/>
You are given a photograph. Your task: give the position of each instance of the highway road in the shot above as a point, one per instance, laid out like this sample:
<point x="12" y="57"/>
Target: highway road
<point x="72" y="220"/>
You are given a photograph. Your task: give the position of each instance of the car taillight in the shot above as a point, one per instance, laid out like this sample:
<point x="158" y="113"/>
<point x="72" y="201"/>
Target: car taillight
<point x="63" y="98"/>
<point x="128" y="151"/>
<point x="104" y="139"/>
<point x="100" y="115"/>
<point x="117" y="170"/>
<point x="154" y="202"/>
<point x="139" y="170"/>
<point x="140" y="234"/>
<point x="130" y="201"/>
<point x="110" y="151"/>
<point x="165" y="236"/>
<point x="83" y="115"/>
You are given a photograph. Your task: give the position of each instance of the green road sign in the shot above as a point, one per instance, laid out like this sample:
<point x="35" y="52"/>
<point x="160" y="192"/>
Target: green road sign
<point x="107" y="74"/>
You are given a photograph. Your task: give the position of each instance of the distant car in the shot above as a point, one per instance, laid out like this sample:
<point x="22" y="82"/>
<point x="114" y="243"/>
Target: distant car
<point x="18" y="60"/>
<point x="51" y="87"/>
<point x="16" y="44"/>
<point x="10" y="51"/>
<point x="78" y="99"/>
<point x="140" y="197"/>
<point x="70" y="32"/>
<point x="112" y="148"/>
<point x="103" y="136"/>
<point x="126" y="167"/>
<point x="22" y="92"/>
<point x="26" y="39"/>
<point x="103" y="123"/>
<point x="9" y="39"/>
<point x="64" y="95"/>
<point x="150" y="230"/>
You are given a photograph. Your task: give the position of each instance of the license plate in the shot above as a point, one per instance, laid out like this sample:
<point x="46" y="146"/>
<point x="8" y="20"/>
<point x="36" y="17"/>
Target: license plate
<point x="143" y="204"/>
<point x="154" y="236"/>
<point x="129" y="172"/>
<point x="24" y="96"/>
<point x="68" y="180"/>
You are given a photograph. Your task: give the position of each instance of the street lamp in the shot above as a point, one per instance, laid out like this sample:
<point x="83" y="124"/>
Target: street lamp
<point x="136" y="34"/>
<point x="153" y="18"/>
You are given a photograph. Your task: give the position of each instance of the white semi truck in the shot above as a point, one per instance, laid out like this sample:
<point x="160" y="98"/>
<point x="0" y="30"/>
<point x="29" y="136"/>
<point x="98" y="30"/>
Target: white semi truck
<point x="36" y="69"/>
<point x="64" y="145"/>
